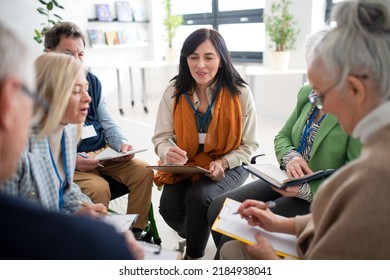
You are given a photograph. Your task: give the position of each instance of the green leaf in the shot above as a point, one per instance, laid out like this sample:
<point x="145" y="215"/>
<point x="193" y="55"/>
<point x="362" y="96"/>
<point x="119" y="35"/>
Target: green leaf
<point x="280" y="25"/>
<point x="43" y="2"/>
<point x="50" y="6"/>
<point x="42" y="11"/>
<point x="57" y="5"/>
<point x="38" y="40"/>
<point x="57" y="16"/>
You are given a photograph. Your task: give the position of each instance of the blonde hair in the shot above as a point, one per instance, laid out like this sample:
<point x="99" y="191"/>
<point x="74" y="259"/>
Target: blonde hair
<point x="56" y="75"/>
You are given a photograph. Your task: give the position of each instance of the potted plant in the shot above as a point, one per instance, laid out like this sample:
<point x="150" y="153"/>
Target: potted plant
<point x="281" y="27"/>
<point x="171" y="23"/>
<point x="51" y="18"/>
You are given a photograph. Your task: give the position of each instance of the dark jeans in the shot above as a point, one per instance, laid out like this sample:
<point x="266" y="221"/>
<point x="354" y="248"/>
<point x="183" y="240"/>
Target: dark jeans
<point x="258" y="190"/>
<point x="184" y="207"/>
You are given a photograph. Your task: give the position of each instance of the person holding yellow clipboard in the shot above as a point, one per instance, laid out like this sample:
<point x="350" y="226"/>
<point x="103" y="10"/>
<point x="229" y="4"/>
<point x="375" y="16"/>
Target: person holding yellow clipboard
<point x="349" y="214"/>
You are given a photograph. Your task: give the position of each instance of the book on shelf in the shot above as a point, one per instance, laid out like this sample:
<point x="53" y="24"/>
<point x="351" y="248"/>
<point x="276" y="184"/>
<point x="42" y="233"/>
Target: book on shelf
<point x="231" y="224"/>
<point x="272" y="174"/>
<point x="139" y="12"/>
<point x="103" y="12"/>
<point x="173" y="168"/>
<point x="96" y="37"/>
<point x="111" y="38"/>
<point x="128" y="37"/>
<point x="124" y="11"/>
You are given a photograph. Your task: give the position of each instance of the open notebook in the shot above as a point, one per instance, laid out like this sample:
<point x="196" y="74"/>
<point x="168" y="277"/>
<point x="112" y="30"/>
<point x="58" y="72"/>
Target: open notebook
<point x="272" y="174"/>
<point x="235" y="227"/>
<point x="110" y="153"/>
<point x="121" y="222"/>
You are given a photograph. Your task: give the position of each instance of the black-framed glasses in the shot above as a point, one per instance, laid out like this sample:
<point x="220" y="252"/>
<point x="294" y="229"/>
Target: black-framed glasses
<point x="37" y="99"/>
<point x="318" y="100"/>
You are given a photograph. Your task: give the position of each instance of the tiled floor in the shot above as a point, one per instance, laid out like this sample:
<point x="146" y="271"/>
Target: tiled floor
<point x="138" y="126"/>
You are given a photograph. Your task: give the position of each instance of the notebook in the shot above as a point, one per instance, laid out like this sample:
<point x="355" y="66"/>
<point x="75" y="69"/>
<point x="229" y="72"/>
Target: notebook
<point x="110" y="153"/>
<point x="272" y="174"/>
<point x="234" y="226"/>
<point x="121" y="222"/>
<point x="171" y="168"/>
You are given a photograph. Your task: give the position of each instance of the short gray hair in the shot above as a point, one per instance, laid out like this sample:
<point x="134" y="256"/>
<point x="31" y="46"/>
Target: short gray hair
<point x="359" y="44"/>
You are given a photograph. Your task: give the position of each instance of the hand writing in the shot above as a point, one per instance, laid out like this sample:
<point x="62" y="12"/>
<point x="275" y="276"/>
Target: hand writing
<point x="176" y="155"/>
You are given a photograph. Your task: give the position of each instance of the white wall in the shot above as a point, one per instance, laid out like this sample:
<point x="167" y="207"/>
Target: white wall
<point x="21" y="15"/>
<point x="275" y="94"/>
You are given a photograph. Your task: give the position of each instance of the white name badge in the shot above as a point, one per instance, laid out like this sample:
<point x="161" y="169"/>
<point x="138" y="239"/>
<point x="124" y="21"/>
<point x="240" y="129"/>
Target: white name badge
<point x="202" y="137"/>
<point x="88" y="132"/>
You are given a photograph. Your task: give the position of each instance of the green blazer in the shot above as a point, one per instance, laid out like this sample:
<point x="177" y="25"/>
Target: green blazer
<point x="332" y="147"/>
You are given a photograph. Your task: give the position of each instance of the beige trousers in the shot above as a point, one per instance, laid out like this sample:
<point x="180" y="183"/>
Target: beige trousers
<point x="234" y="250"/>
<point x="132" y="173"/>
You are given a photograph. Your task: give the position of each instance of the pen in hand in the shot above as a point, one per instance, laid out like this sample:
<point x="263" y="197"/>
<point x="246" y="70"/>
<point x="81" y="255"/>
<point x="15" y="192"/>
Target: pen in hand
<point x="86" y="156"/>
<point x="175" y="145"/>
<point x="268" y="204"/>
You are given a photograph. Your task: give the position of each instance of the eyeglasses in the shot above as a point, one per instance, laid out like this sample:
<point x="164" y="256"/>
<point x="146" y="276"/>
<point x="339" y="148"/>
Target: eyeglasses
<point x="318" y="100"/>
<point x="37" y="98"/>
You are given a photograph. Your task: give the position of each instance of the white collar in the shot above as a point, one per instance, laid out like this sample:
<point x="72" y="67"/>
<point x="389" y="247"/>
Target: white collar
<point x="374" y="121"/>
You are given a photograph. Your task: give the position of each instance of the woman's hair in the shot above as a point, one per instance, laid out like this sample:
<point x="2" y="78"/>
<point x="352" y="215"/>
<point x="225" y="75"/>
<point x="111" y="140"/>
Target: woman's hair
<point x="359" y="44"/>
<point x="312" y="40"/>
<point x="227" y="75"/>
<point x="56" y="75"/>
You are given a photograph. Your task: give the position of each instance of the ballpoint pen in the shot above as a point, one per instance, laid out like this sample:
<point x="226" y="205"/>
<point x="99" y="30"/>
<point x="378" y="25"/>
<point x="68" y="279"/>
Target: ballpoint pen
<point x="86" y="156"/>
<point x="175" y="145"/>
<point x="268" y="204"/>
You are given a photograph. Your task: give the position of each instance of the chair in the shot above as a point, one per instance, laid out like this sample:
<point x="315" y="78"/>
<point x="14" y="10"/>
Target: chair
<point x="151" y="233"/>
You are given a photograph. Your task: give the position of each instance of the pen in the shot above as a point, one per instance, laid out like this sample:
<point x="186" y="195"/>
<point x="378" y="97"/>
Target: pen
<point x="86" y="156"/>
<point x="253" y="159"/>
<point x="174" y="145"/>
<point x="268" y="204"/>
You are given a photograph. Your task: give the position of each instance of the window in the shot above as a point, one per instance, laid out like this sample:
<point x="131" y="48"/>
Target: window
<point x="239" y="22"/>
<point x="329" y="6"/>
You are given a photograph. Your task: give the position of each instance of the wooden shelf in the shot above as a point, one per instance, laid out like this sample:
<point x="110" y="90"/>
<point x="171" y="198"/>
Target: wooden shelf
<point x="124" y="46"/>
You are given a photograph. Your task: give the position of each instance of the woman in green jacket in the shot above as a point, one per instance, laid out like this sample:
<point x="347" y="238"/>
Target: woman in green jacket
<point x="309" y="141"/>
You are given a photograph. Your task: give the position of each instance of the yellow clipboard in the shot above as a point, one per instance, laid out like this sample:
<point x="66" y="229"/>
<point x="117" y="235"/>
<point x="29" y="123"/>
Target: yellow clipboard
<point x="237" y="228"/>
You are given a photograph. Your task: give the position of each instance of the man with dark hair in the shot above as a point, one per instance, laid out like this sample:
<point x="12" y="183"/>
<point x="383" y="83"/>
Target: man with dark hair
<point x="66" y="37"/>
